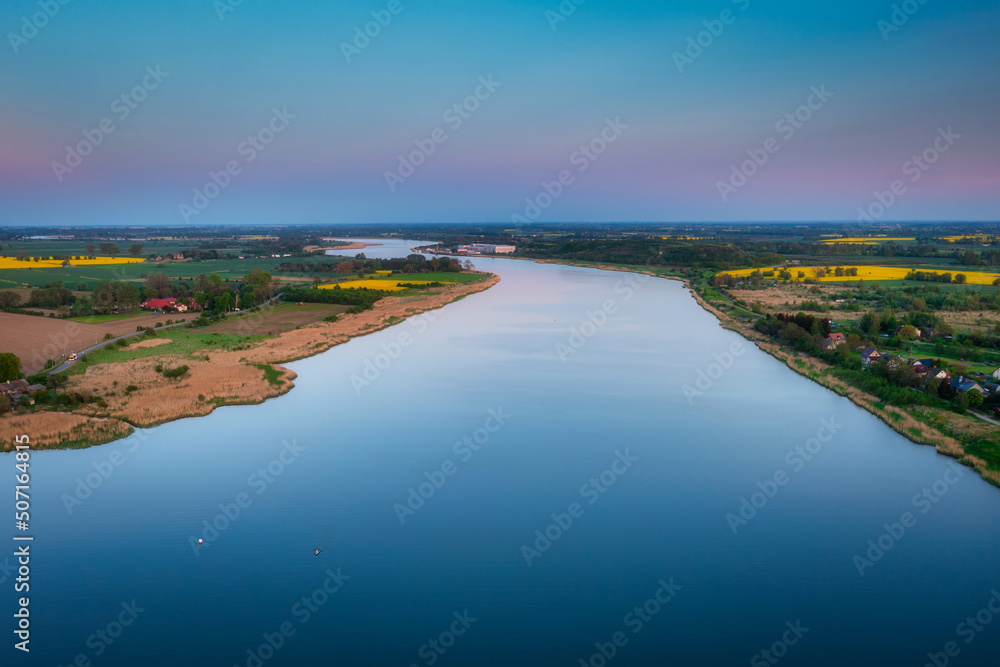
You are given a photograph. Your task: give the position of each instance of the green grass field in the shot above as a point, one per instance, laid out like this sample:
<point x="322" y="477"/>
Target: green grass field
<point x="183" y="341"/>
<point x="228" y="269"/>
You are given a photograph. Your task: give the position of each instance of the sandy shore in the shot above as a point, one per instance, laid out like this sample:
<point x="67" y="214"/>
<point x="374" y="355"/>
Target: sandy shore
<point x="214" y="379"/>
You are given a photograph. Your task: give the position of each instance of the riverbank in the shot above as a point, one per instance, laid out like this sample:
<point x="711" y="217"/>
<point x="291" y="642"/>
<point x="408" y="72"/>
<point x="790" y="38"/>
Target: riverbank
<point x="913" y="424"/>
<point x="137" y="395"/>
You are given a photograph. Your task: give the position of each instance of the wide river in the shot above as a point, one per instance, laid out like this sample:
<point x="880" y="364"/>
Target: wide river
<point x="488" y="487"/>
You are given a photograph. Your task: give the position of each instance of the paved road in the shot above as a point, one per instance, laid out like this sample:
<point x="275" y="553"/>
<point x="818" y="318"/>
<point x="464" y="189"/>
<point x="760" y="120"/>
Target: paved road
<point x="985" y="418"/>
<point x="67" y="364"/>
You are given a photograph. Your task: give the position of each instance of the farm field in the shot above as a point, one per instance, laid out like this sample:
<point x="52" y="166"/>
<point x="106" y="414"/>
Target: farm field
<point x="39" y="263"/>
<point x="389" y="283"/>
<point x="274" y="320"/>
<point x="872" y="272"/>
<point x="37" y="339"/>
<point x="91" y="275"/>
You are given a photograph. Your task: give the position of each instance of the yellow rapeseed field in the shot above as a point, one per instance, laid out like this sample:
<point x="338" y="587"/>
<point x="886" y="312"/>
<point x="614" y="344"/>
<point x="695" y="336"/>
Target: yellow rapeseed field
<point x="867" y="240"/>
<point x="14" y="263"/>
<point x="387" y="285"/>
<point x="871" y="273"/>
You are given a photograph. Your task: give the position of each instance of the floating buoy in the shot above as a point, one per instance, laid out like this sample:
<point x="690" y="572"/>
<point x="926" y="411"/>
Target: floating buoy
<point x="200" y="540"/>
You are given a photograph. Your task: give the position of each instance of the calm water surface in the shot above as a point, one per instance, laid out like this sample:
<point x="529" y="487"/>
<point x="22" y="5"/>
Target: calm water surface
<point x="360" y="449"/>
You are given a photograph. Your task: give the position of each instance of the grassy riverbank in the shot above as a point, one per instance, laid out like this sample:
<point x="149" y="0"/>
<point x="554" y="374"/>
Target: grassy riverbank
<point x="194" y="371"/>
<point x="973" y="442"/>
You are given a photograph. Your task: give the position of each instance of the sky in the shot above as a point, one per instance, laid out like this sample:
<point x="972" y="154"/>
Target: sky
<point x="202" y="112"/>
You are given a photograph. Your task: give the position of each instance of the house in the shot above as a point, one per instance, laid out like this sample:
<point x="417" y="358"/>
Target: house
<point x="868" y="355"/>
<point x="900" y="328"/>
<point x="962" y="385"/>
<point x="833" y="340"/>
<point x="162" y="304"/>
<point x="920" y="369"/>
<point x="13" y="387"/>
<point x="996" y="374"/>
<point x="936" y="373"/>
<point x="33" y="389"/>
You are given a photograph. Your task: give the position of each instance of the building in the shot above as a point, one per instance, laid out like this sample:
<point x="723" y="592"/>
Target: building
<point x="869" y="355"/>
<point x="13" y="387"/>
<point x="485" y="249"/>
<point x="833" y="340"/>
<point x="962" y="385"/>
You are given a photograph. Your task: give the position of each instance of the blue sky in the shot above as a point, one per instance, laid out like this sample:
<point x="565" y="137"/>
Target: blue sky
<point x="556" y="83"/>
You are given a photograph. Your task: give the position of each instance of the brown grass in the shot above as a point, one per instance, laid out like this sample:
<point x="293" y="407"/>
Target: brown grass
<point x="225" y="378"/>
<point x="60" y="429"/>
<point x="149" y="342"/>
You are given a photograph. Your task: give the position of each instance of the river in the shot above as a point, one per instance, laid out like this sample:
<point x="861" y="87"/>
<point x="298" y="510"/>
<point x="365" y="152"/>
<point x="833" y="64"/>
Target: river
<point x="575" y="465"/>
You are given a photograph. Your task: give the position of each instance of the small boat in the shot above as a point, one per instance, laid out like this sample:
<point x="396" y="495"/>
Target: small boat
<point x="318" y="551"/>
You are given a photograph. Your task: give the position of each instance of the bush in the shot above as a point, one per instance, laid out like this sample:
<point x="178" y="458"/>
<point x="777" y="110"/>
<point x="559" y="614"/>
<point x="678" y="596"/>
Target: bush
<point x="4" y="403"/>
<point x="108" y="336"/>
<point x="175" y="372"/>
<point x="330" y="318"/>
<point x="131" y="388"/>
<point x="159" y="368"/>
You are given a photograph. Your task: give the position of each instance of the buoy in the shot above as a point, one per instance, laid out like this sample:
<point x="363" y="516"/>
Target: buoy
<point x="200" y="540"/>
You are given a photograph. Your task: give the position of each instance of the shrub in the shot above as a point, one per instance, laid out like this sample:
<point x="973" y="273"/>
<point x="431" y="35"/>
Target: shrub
<point x="131" y="388"/>
<point x="175" y="372"/>
<point x="108" y="336"/>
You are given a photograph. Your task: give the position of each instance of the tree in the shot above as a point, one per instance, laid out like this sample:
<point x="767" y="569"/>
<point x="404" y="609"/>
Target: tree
<point x="90" y="250"/>
<point x="135" y="250"/>
<point x="974" y="397"/>
<point x="4" y="404"/>
<point x="10" y="366"/>
<point x="10" y="299"/>
<point x="81" y="287"/>
<point x="22" y="255"/>
<point x="160" y="282"/>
